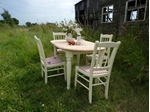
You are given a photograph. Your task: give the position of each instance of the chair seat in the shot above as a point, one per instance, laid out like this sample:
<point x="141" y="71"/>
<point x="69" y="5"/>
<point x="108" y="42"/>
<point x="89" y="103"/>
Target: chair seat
<point x="53" y="60"/>
<point x="91" y="55"/>
<point x="60" y="51"/>
<point x="87" y="69"/>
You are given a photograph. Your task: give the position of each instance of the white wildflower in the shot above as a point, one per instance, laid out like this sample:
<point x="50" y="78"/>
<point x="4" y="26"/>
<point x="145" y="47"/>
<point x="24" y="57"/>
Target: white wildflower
<point x="42" y="105"/>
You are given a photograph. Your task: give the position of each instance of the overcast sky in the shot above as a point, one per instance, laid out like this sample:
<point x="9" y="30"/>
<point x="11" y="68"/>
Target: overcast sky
<point x="39" y="11"/>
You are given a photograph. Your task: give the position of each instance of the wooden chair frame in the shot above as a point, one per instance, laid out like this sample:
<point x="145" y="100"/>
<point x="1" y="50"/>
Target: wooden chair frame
<point x="103" y="38"/>
<point x="50" y="64"/>
<point x="101" y="68"/>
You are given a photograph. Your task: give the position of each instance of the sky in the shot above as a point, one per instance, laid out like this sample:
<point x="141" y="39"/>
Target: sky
<point x="39" y="11"/>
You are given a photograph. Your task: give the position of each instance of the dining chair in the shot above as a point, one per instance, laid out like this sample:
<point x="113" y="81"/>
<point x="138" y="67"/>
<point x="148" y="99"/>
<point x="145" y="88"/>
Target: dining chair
<point x="59" y="36"/>
<point x="49" y="64"/>
<point x="103" y="38"/>
<point x="99" y="72"/>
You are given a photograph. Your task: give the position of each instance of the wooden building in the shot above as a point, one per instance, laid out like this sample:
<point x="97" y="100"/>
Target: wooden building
<point x="108" y="15"/>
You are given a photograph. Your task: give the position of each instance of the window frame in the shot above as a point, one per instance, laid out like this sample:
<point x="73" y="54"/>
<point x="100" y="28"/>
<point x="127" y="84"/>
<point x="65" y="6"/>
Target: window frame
<point x="134" y="8"/>
<point x="107" y="13"/>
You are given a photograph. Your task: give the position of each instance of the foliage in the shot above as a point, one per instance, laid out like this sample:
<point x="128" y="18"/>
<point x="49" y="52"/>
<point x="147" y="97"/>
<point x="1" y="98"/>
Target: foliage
<point x="70" y="27"/>
<point x="2" y="21"/>
<point x="7" y="17"/>
<point x="28" y="24"/>
<point x="16" y="21"/>
<point x="22" y="89"/>
<point x="133" y="54"/>
<point x="90" y="34"/>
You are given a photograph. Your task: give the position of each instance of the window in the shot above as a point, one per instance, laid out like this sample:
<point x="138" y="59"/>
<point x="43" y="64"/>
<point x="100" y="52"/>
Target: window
<point x="107" y="14"/>
<point x="135" y="10"/>
<point x="133" y="15"/>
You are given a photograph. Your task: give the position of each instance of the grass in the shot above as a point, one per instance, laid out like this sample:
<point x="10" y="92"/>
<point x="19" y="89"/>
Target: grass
<point x="22" y="88"/>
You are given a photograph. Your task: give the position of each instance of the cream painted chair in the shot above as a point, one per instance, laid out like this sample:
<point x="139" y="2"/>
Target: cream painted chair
<point x="99" y="69"/>
<point x="103" y="38"/>
<point x="59" y="36"/>
<point x="49" y="64"/>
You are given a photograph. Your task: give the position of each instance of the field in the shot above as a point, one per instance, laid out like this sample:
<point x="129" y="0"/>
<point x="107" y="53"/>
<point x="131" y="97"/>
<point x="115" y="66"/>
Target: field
<point x="22" y="89"/>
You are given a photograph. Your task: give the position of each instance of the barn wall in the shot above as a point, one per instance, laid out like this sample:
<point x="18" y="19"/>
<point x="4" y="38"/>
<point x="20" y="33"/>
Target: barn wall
<point x="89" y="12"/>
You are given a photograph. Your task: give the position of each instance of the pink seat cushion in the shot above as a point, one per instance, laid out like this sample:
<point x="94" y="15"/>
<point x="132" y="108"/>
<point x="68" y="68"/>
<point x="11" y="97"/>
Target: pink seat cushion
<point x="87" y="69"/>
<point x="53" y="60"/>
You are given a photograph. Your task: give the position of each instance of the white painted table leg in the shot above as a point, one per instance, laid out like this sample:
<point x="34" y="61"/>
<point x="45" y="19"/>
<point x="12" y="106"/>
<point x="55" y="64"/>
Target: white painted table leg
<point x="69" y="65"/>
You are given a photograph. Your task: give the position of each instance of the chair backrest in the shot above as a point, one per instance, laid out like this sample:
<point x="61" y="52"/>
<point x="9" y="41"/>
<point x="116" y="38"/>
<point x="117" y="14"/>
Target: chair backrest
<point x="106" y="37"/>
<point x="102" y="63"/>
<point x="59" y="35"/>
<point x="41" y="51"/>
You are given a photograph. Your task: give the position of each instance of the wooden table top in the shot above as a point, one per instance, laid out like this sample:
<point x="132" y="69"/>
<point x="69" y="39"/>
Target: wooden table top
<point x="63" y="44"/>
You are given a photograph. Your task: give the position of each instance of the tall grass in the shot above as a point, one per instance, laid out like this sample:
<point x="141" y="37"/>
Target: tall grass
<point x="133" y="54"/>
<point x="22" y="88"/>
<point x="132" y="57"/>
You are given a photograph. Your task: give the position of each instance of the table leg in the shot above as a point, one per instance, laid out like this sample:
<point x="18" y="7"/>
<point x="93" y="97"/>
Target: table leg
<point x="69" y="55"/>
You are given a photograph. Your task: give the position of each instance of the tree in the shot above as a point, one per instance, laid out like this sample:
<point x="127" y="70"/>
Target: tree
<point x="7" y="17"/>
<point x="1" y="21"/>
<point x="28" y="24"/>
<point x="16" y="21"/>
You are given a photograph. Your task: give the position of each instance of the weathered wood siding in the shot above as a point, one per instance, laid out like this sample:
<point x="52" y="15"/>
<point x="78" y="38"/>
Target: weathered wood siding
<point x="89" y="12"/>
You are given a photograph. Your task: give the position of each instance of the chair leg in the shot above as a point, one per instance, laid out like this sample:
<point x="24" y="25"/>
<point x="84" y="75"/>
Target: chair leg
<point x="106" y="88"/>
<point x="90" y="90"/>
<point x="106" y="92"/>
<point x="45" y="76"/>
<point x="41" y="71"/>
<point x="75" y="82"/>
<point x="65" y="72"/>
